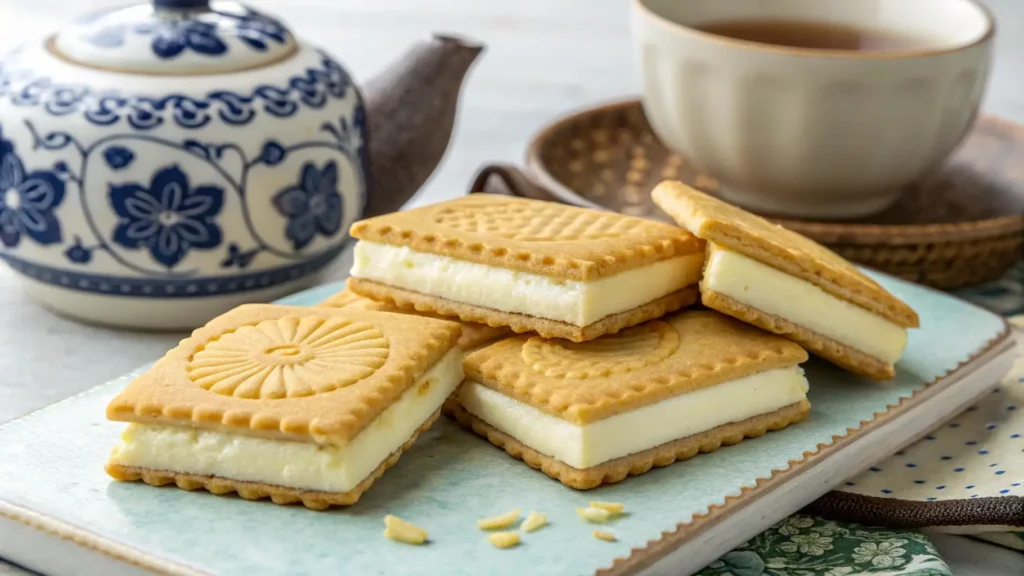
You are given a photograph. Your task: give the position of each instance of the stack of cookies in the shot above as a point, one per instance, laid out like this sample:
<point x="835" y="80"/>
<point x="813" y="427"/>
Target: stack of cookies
<point x="614" y="367"/>
<point x="591" y="345"/>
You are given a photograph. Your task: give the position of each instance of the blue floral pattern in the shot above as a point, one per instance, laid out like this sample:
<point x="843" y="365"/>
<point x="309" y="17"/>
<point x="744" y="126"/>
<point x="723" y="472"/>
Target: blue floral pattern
<point x="169" y="218"/>
<point x="155" y="214"/>
<point x="238" y="258"/>
<point x="170" y="37"/>
<point x="272" y="153"/>
<point x="256" y="29"/>
<point x="173" y="37"/>
<point x="312" y="205"/>
<point x="27" y="201"/>
<point x="202" y="33"/>
<point x="20" y="85"/>
<point x="118" y="157"/>
<point x="78" y="253"/>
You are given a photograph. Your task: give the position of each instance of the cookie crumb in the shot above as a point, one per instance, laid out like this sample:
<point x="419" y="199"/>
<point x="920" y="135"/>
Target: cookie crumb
<point x="502" y="521"/>
<point x="534" y="521"/>
<point x="504" y="539"/>
<point x="606" y="536"/>
<point x="591" y="514"/>
<point x="401" y="531"/>
<point x="613" y="507"/>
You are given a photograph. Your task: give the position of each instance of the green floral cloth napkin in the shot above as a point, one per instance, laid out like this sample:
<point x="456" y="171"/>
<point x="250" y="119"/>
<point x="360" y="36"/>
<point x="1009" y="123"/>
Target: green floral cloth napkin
<point x="809" y="546"/>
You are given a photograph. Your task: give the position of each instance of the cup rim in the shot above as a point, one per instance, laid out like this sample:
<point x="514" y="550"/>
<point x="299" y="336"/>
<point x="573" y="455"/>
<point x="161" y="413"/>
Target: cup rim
<point x="990" y="31"/>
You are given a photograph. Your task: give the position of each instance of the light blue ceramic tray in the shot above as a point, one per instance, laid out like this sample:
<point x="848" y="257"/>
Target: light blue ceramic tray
<point x="52" y="483"/>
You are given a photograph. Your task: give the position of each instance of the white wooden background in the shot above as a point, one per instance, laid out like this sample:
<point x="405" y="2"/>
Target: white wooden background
<point x="543" y="58"/>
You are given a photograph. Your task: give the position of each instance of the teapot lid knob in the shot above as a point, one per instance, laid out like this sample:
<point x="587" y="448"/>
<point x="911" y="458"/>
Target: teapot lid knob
<point x="182" y="4"/>
<point x="176" y="37"/>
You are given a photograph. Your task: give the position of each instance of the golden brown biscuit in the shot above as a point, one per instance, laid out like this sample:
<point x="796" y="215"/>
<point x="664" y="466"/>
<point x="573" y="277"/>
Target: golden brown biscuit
<point x="591" y="410"/>
<point x="866" y="346"/>
<point x="349" y="299"/>
<point x="313" y="499"/>
<point x="311" y="401"/>
<point x="473" y="336"/>
<point x="544" y="238"/>
<point x="409" y="301"/>
<point x="838" y="354"/>
<point x="635" y="464"/>
<point x="525" y="259"/>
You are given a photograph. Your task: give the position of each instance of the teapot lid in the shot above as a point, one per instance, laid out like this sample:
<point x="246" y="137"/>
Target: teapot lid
<point x="176" y="37"/>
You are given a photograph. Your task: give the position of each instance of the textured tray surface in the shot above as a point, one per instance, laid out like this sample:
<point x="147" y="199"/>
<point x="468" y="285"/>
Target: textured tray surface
<point x="446" y="482"/>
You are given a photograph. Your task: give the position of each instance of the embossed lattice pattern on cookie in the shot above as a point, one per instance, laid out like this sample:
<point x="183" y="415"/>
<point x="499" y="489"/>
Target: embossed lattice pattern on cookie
<point x="365" y="359"/>
<point x="535" y="221"/>
<point x="289" y="357"/>
<point x="707" y="349"/>
<point x="532" y="236"/>
<point x="629" y="350"/>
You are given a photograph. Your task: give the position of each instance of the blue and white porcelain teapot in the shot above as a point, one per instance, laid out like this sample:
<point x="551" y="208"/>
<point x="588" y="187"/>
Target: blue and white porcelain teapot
<point x="164" y="162"/>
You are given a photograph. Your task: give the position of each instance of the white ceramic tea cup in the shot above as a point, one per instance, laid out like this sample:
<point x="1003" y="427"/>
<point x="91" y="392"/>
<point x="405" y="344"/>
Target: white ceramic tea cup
<point x="813" y="133"/>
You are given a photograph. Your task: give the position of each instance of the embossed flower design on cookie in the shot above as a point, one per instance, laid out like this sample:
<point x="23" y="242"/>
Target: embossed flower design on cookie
<point x="312" y="206"/>
<point x="289" y="357"/>
<point x="169" y="217"/>
<point x="27" y="201"/>
<point x="539" y="222"/>
<point x="620" y="353"/>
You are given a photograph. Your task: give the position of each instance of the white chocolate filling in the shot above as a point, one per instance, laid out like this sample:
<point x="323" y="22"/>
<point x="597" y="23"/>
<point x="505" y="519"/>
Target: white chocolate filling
<point x="641" y="429"/>
<point x="574" y="302"/>
<point x="774" y="292"/>
<point x="301" y="465"/>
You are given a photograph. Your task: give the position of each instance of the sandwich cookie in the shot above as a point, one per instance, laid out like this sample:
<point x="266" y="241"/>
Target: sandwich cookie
<point x="473" y="335"/>
<point x="787" y="284"/>
<point x="556" y="270"/>
<point x="595" y="412"/>
<point x="296" y="404"/>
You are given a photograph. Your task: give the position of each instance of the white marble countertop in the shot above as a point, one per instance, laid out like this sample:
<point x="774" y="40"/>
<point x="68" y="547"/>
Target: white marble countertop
<point x="543" y="58"/>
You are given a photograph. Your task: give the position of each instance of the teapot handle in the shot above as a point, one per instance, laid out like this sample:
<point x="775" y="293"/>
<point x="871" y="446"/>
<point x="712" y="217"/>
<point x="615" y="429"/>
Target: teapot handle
<point x="511" y="181"/>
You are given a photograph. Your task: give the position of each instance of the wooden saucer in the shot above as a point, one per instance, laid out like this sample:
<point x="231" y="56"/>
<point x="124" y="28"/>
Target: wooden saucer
<point x="962" y="226"/>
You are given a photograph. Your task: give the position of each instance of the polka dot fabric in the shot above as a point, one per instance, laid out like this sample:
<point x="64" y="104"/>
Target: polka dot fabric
<point x="978" y="454"/>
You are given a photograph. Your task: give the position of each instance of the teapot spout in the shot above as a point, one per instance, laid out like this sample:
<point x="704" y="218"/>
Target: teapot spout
<point x="410" y="109"/>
